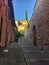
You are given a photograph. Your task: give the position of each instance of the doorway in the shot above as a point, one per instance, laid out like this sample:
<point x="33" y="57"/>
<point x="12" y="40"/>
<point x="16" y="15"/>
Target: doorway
<point x="1" y="22"/>
<point x="34" y="36"/>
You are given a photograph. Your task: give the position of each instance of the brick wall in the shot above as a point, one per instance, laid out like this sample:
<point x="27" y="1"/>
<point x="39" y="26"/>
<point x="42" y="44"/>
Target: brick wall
<point x="3" y="23"/>
<point x="7" y="32"/>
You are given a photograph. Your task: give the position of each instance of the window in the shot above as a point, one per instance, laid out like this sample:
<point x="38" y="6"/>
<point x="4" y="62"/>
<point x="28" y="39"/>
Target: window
<point x="5" y="2"/>
<point x="7" y="16"/>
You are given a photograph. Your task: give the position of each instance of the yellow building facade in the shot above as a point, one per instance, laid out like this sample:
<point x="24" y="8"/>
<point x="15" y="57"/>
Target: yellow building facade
<point x="21" y="25"/>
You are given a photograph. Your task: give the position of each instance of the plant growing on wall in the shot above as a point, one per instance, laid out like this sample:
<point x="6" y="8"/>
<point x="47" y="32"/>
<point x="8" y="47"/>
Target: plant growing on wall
<point x="18" y="34"/>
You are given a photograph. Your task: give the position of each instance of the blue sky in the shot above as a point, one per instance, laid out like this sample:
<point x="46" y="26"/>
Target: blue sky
<point x="20" y="6"/>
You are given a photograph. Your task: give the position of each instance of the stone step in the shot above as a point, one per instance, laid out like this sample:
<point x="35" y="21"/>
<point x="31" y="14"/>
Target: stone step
<point x="36" y="55"/>
<point x="24" y="41"/>
<point x="26" y="45"/>
<point x="39" y="63"/>
<point x="38" y="60"/>
<point x="31" y="49"/>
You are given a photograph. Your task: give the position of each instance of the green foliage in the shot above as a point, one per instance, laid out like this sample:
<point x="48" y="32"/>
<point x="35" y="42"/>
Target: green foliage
<point x="28" y="23"/>
<point x="22" y="33"/>
<point x="18" y="34"/>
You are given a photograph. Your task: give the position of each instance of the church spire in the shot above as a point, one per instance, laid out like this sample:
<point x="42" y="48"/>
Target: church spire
<point x="26" y="15"/>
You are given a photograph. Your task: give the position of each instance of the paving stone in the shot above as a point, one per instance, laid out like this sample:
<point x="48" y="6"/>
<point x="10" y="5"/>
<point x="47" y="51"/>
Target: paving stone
<point x="13" y="56"/>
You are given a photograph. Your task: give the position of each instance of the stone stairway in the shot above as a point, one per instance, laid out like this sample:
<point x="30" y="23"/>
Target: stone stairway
<point x="13" y="56"/>
<point x="33" y="55"/>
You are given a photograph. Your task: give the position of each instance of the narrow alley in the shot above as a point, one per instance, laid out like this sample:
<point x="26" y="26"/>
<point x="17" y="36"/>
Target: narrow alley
<point x="23" y="54"/>
<point x="33" y="54"/>
<point x="24" y="32"/>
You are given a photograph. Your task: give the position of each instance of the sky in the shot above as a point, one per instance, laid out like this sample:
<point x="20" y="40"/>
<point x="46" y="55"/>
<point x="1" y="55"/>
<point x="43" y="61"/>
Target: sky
<point x="20" y="6"/>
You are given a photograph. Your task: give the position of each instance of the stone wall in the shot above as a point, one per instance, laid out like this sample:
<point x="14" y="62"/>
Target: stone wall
<point x="40" y="20"/>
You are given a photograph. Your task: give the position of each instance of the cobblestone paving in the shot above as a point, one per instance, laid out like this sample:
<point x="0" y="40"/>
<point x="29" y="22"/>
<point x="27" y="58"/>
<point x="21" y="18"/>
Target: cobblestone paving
<point x="12" y="57"/>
